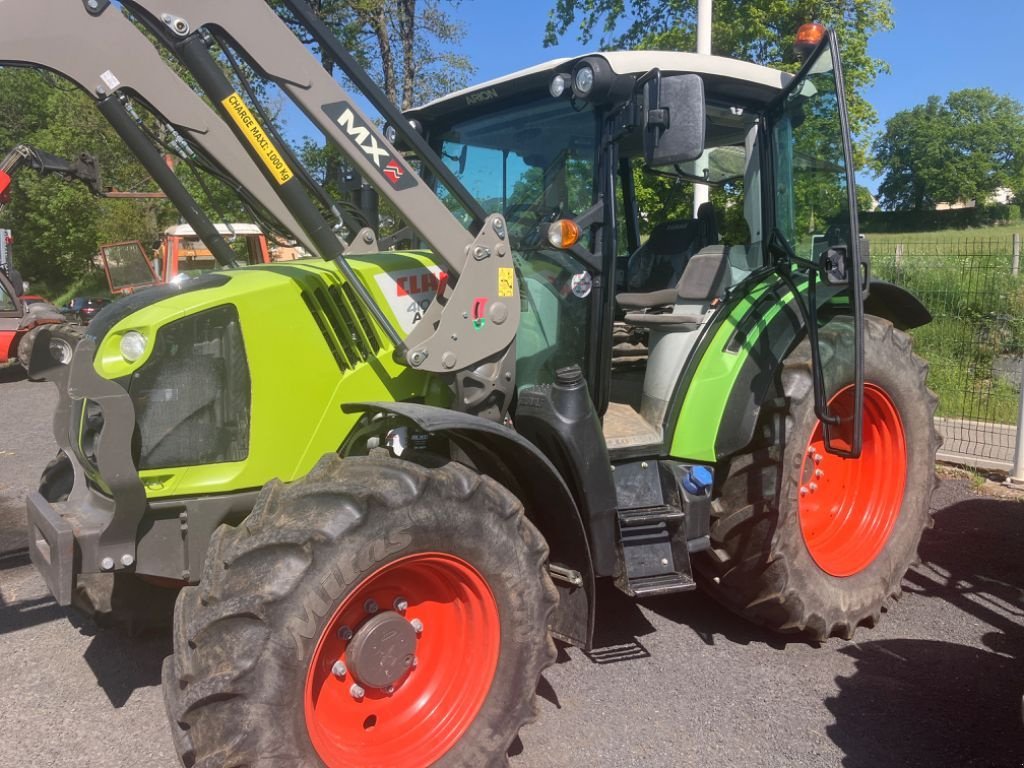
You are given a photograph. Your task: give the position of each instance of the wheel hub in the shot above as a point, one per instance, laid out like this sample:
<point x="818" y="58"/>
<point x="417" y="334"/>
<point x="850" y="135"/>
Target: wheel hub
<point x="382" y="650"/>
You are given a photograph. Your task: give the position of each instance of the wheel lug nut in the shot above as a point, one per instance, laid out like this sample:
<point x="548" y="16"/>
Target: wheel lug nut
<point x="817" y="458"/>
<point x="417" y="625"/>
<point x="339" y="669"/>
<point x="803" y="490"/>
<point x="810" y="450"/>
<point x="389" y="690"/>
<point x="370" y="606"/>
<point x="345" y="633"/>
<point x="812" y="487"/>
<point x="357" y="691"/>
<point x="401" y="604"/>
<point x="414" y="663"/>
<point x="819" y="473"/>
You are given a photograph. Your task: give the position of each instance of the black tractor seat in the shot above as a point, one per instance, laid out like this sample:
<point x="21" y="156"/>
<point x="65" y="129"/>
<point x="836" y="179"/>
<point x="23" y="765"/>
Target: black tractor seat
<point x="702" y="281"/>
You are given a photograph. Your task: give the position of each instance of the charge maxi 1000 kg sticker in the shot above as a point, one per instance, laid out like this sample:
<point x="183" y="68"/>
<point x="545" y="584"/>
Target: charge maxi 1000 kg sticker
<point x="409" y="293"/>
<point x="257" y="137"/>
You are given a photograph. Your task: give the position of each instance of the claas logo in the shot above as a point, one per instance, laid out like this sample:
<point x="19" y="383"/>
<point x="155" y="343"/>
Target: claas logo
<point x="416" y="284"/>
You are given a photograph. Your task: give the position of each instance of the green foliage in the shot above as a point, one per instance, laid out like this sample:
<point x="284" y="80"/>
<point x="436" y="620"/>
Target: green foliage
<point x="931" y="221"/>
<point x="58" y="225"/>
<point x="410" y="47"/>
<point x="978" y="319"/>
<point x="761" y="31"/>
<point x="963" y="148"/>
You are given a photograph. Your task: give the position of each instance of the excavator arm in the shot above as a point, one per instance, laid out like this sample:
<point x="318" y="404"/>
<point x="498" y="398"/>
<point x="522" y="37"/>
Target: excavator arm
<point x="83" y="169"/>
<point x="95" y="45"/>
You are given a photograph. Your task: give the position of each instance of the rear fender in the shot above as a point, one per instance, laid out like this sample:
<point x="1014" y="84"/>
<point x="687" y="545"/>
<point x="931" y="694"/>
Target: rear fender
<point x="741" y="356"/>
<point x="897" y="305"/>
<point x="513" y="461"/>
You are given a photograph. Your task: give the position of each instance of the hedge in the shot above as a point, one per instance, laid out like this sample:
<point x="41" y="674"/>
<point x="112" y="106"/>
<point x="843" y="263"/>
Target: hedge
<point x="928" y="221"/>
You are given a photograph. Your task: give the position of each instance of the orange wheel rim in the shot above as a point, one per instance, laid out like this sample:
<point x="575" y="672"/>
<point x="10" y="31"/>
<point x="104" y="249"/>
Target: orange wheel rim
<point x="406" y="712"/>
<point x="848" y="507"/>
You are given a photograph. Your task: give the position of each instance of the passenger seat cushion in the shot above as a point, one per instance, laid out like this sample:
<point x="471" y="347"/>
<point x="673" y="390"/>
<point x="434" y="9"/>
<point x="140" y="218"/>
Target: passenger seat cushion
<point x="660" y="298"/>
<point x="702" y="280"/>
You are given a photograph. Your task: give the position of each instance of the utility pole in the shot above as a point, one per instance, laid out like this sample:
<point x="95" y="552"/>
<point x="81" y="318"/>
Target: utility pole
<point x="700" y="191"/>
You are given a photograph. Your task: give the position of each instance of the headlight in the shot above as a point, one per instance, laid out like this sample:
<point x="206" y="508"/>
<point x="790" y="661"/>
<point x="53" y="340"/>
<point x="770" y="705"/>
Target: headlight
<point x="133" y="346"/>
<point x="583" y="82"/>
<point x="558" y="85"/>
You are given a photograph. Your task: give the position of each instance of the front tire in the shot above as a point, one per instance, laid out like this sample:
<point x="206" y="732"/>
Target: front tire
<point x="807" y="542"/>
<point x="315" y="593"/>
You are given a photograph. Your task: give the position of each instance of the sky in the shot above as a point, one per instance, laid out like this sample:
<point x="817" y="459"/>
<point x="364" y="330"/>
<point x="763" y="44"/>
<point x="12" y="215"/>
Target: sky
<point x="937" y="46"/>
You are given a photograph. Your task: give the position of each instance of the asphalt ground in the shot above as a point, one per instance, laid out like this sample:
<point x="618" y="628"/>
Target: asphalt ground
<point x="675" y="681"/>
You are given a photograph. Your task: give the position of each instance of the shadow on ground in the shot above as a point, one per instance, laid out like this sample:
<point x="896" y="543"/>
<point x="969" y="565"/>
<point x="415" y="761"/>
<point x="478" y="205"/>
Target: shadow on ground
<point x="895" y="709"/>
<point x="124" y="663"/>
<point x="11" y="372"/>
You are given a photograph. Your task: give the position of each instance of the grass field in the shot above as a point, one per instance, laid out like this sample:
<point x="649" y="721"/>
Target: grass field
<point x="965" y="279"/>
<point x="1005" y="231"/>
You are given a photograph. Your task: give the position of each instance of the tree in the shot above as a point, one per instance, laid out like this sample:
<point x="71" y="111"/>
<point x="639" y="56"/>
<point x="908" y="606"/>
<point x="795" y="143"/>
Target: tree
<point x="963" y="148"/>
<point x="57" y="225"/>
<point x="761" y="31"/>
<point x="410" y="47"/>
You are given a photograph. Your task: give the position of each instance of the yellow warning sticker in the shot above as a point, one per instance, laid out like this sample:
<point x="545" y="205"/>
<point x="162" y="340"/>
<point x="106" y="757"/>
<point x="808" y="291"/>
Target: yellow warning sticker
<point x="257" y="137"/>
<point x="506" y="282"/>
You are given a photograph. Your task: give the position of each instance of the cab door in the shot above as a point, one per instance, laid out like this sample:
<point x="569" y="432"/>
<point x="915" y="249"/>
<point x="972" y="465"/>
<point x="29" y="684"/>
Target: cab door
<point x="814" y="239"/>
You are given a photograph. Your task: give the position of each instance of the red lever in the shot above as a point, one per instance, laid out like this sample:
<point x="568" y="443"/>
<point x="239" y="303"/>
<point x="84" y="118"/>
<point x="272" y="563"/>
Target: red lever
<point x="479" y="305"/>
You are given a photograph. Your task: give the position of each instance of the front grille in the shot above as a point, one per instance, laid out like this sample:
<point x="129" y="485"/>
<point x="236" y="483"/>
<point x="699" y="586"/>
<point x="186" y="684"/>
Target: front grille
<point x="349" y="333"/>
<point x="193" y="395"/>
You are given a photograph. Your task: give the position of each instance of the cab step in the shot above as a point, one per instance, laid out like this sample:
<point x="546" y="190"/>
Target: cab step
<point x="654" y="562"/>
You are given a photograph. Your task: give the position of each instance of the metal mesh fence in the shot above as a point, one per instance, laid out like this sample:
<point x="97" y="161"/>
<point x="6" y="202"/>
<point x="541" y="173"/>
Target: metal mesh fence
<point x="975" y="343"/>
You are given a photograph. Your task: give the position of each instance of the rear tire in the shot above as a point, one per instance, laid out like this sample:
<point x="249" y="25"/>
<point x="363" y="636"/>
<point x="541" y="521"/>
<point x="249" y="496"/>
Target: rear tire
<point x="251" y="682"/>
<point x="63" y="337"/>
<point x="25" y="350"/>
<point x="821" y="565"/>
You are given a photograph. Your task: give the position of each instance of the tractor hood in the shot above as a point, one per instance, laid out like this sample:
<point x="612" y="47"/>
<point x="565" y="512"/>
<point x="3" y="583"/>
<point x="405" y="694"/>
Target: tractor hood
<point x="239" y="376"/>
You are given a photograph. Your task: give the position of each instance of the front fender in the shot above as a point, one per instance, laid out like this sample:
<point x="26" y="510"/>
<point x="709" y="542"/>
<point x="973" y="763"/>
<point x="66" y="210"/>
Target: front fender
<point x="516" y="463"/>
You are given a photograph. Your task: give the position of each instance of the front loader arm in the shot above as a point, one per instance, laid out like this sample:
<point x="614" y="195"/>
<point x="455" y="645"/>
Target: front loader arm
<point x="468" y="332"/>
<point x="105" y="55"/>
<point x="477" y="322"/>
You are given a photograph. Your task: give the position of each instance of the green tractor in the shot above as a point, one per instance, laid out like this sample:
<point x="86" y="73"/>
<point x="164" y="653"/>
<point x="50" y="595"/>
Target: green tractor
<point x="384" y="481"/>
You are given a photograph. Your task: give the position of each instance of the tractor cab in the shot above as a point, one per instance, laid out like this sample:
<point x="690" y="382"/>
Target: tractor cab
<point x="591" y="161"/>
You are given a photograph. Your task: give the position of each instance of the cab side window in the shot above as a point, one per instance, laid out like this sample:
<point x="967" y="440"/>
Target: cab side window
<point x="6" y="300"/>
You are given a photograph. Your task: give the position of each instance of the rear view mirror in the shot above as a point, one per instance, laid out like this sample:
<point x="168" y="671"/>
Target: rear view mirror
<point x="673" y="119"/>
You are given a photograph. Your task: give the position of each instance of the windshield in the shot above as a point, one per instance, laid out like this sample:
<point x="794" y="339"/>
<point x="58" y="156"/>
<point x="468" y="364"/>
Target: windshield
<point x="534" y="163"/>
<point x="530" y="162"/>
<point x="811" y="198"/>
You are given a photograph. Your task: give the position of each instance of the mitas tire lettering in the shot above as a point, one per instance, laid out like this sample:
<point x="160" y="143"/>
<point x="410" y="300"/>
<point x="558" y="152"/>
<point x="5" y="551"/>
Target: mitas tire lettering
<point x="336" y="582"/>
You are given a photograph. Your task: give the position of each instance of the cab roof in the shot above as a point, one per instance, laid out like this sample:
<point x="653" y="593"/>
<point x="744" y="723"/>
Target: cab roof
<point x="727" y="79"/>
<point x="185" y="230"/>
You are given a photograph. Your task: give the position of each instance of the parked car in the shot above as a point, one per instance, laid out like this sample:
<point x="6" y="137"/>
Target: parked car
<point x="82" y="309"/>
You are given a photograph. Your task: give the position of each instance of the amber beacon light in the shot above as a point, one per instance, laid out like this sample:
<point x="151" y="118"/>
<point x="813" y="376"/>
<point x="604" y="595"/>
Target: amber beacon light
<point x="807" y="38"/>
